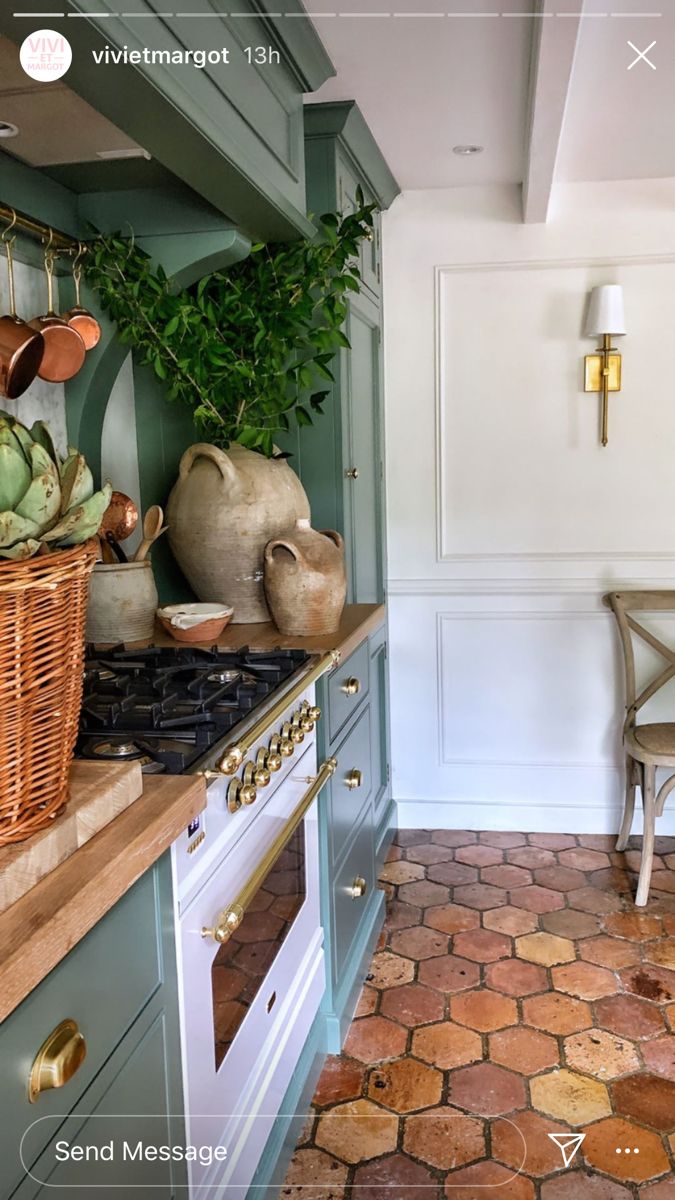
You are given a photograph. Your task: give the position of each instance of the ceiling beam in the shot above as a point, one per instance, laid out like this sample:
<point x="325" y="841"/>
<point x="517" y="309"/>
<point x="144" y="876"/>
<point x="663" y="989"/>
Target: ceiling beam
<point x="554" y="44"/>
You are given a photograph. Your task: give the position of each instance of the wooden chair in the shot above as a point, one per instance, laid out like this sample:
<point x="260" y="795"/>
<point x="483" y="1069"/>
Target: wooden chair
<point x="647" y="746"/>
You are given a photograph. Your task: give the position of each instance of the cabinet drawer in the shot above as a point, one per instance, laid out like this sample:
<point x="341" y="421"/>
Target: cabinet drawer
<point x="351" y="785"/>
<point x="347" y="687"/>
<point x="101" y="985"/>
<point x="348" y="910"/>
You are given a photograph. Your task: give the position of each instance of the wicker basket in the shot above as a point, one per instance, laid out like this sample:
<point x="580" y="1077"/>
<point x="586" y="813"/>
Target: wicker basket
<point x="43" y="605"/>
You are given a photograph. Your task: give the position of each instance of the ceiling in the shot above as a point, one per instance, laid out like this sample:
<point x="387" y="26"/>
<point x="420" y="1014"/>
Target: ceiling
<point x="546" y="91"/>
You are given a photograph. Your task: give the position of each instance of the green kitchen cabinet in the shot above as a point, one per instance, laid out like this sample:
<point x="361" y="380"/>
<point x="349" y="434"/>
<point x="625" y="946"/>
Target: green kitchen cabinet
<point x="121" y="993"/>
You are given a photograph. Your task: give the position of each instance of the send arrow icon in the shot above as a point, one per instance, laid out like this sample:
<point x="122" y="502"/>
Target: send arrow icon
<point x="568" y="1144"/>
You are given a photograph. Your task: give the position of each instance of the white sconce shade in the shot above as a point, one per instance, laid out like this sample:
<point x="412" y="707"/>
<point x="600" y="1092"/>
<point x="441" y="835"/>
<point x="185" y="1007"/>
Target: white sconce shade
<point x="605" y="311"/>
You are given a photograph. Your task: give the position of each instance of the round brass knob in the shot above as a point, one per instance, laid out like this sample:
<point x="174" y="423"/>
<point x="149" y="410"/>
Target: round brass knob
<point x="358" y="888"/>
<point x="234" y="796"/>
<point x="256" y="776"/>
<point x="282" y="745"/>
<point x="248" y="794"/>
<point x="352" y="473"/>
<point x="354" y="779"/>
<point x="267" y="759"/>
<point x="230" y="761"/>
<point x="303" y="722"/>
<point x="314" y="713"/>
<point x="351" y="686"/>
<point x="292" y="733"/>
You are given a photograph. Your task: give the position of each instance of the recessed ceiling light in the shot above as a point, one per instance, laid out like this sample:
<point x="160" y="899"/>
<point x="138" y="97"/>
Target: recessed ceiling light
<point x="466" y="150"/>
<point x="8" y="130"/>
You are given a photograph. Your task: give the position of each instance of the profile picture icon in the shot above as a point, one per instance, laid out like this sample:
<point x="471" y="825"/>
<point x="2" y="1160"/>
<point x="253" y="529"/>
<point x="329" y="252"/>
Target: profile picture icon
<point x="45" y="55"/>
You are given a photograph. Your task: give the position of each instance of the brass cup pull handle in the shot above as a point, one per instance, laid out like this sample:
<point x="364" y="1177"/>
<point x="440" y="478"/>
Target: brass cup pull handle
<point x="354" y="779"/>
<point x="226" y="922"/>
<point x="351" y="686"/>
<point x="57" y="1060"/>
<point x="358" y="888"/>
<point x="352" y="473"/>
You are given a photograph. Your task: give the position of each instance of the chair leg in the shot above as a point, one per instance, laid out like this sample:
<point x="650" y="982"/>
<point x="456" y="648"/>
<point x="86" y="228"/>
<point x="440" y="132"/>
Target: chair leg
<point x="629" y="806"/>
<point x="649" y="810"/>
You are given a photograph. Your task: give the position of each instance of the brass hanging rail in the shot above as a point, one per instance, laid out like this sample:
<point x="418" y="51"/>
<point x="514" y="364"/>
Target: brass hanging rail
<point x="38" y="229"/>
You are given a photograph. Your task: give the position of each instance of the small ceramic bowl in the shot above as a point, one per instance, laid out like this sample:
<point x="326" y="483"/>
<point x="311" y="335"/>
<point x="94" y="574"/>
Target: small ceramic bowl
<point x="194" y="622"/>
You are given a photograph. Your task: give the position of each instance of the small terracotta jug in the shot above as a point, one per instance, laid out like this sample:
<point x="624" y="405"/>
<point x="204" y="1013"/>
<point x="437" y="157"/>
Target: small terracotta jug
<point x="305" y="580"/>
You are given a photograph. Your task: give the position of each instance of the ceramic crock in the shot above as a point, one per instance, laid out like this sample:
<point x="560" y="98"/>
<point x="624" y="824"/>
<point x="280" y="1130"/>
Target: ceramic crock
<point x="305" y="580"/>
<point x="122" y="602"/>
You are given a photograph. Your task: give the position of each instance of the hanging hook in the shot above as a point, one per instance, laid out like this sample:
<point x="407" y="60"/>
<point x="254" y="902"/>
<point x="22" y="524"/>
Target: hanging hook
<point x="6" y="232"/>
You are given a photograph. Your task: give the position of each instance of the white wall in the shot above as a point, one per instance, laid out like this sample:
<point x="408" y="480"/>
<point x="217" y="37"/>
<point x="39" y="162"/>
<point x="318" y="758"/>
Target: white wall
<point x="507" y="519"/>
<point x="41" y="401"/>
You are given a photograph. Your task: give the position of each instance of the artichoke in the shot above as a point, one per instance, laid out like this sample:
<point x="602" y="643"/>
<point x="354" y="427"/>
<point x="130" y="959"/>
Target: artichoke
<point x="46" y="502"/>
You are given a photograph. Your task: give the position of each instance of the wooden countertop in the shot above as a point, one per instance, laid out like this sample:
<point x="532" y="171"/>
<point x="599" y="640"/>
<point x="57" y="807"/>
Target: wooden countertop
<point x="39" y="929"/>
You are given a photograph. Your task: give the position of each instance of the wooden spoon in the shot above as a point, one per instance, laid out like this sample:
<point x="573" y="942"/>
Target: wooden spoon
<point x="153" y="527"/>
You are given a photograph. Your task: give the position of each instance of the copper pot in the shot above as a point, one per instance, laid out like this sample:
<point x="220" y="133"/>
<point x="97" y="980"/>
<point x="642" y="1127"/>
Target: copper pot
<point x="21" y="348"/>
<point x="64" y="348"/>
<point x="80" y="318"/>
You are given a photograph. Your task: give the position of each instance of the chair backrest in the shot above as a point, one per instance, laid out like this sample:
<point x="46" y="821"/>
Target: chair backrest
<point x="623" y="605"/>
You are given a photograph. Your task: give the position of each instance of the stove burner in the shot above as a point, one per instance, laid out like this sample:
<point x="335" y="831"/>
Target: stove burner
<point x="225" y="676"/>
<point x="105" y="675"/>
<point x="116" y="750"/>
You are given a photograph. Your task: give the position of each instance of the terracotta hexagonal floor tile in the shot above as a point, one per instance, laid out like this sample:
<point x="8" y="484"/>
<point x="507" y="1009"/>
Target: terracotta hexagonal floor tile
<point x="340" y="1079"/>
<point x="604" y="1055"/>
<point x="603" y="1140"/>
<point x="530" y="857"/>
<point x="372" y="1039"/>
<point x="563" y="879"/>
<point x="551" y="841"/>
<point x="423" y="893"/>
<point x="537" y="899"/>
<point x="482" y="945"/>
<point x="510" y="920"/>
<point x="665" y="1190"/>
<point x="486" y="1089"/>
<point x="577" y="1185"/>
<point x="389" y="970"/>
<point x="584" y="980"/>
<point x="659" y="1056"/>
<point x="452" y="873"/>
<point x="597" y="841"/>
<point x="506" y="875"/>
<point x="412" y="1004"/>
<point x="526" y="1051"/>
<point x="504" y="841"/>
<point x="411" y="837"/>
<point x="574" y="1099"/>
<point x="483" y="1010"/>
<point x="453" y="837"/>
<point x="545" y="948"/>
<point x="367" y="1002"/>
<point x="444" y="1138"/>
<point x="612" y="879"/>
<point x="522" y="1143"/>
<point x="427" y="854"/>
<point x="313" y="1175"/>
<point x="609" y="952"/>
<point x="629" y="1017"/>
<point x="515" y="977"/>
<point x="394" y="1175"/>
<point x="648" y="1099"/>
<point x="405" y="1085"/>
<point x="670" y="1016"/>
<point x="488" y="1178"/>
<point x="583" y="860"/>
<point x="402" y="916"/>
<point x="569" y="923"/>
<point x="394" y="853"/>
<point x="593" y="900"/>
<point x="479" y="856"/>
<point x="637" y="927"/>
<point x="447" y="1045"/>
<point x="480" y="896"/>
<point x="652" y="983"/>
<point x="356" y="1131"/>
<point x="662" y="953"/>
<point x="401" y="872"/>
<point x="452" y="918"/>
<point x="449" y="973"/>
<point x="420" y="942"/>
<point x="557" y="1014"/>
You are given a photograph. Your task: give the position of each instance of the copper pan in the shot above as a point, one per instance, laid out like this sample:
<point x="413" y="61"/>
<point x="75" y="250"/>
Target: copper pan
<point x="80" y="318"/>
<point x="21" y="348"/>
<point x="64" y="348"/>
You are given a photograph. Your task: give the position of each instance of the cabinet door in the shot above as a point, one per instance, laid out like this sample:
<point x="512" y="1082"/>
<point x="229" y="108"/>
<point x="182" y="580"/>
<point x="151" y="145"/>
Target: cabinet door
<point x="362" y="450"/>
<point x="380" y="724"/>
<point x="369" y="251"/>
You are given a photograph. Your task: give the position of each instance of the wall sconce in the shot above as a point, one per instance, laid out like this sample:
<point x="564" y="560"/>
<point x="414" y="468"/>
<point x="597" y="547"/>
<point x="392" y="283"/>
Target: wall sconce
<point x="603" y="370"/>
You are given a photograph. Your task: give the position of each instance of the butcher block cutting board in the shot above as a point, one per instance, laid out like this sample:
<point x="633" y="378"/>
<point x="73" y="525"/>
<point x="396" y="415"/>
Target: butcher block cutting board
<point x="99" y="792"/>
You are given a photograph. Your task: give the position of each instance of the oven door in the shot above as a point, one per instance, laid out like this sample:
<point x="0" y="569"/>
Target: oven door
<point x="252" y="978"/>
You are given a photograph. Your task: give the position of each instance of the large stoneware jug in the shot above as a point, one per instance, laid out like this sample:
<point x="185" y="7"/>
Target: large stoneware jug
<point x="305" y="580"/>
<point x="222" y="512"/>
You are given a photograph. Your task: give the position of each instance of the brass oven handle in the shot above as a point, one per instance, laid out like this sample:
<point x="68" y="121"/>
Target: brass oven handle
<point x="351" y="686"/>
<point x="230" y="918"/>
<point x="354" y="779"/>
<point x="358" y="888"/>
<point x="57" y="1060"/>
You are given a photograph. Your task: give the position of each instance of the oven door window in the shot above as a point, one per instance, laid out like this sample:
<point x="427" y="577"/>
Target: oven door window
<point x="241" y="964"/>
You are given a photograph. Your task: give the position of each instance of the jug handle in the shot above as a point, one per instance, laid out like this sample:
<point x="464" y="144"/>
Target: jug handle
<point x="217" y="456"/>
<point x="290" y="546"/>
<point x="334" y="537"/>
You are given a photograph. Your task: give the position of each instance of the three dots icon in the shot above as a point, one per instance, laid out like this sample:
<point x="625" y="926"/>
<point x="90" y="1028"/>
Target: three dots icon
<point x="627" y="1150"/>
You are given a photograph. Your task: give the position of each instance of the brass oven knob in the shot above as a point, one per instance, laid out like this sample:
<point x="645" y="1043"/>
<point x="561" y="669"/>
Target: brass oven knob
<point x="248" y="794"/>
<point x="267" y="759"/>
<point x="280" y="744"/>
<point x="358" y="888"/>
<point x="292" y="733"/>
<point x="314" y="713"/>
<point x="351" y="686"/>
<point x="239" y="793"/>
<point x="354" y="779"/>
<point x="256" y="776"/>
<point x="57" y="1060"/>
<point x="303" y="722"/>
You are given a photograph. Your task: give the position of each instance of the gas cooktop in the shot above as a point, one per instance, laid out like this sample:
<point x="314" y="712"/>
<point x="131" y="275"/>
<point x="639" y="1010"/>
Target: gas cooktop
<point x="166" y="707"/>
